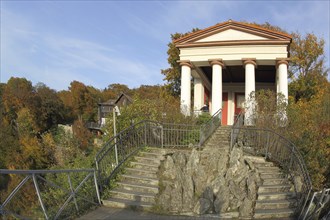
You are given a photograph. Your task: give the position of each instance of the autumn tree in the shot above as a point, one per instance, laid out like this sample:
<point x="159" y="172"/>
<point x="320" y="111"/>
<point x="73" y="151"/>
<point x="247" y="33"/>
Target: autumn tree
<point x="17" y="93"/>
<point x="83" y="103"/>
<point x="307" y="66"/>
<point x="118" y="88"/>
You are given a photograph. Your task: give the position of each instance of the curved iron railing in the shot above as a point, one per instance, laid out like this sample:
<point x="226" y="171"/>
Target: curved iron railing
<point x="59" y="193"/>
<point x="277" y="148"/>
<point x="153" y="134"/>
<point x="73" y="186"/>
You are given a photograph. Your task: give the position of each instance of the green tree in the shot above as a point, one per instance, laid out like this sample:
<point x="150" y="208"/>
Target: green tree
<point x="172" y="74"/>
<point x="50" y="108"/>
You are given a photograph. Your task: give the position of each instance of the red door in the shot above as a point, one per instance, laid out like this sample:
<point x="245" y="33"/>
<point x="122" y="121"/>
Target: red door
<point x="224" y="110"/>
<point x="239" y="100"/>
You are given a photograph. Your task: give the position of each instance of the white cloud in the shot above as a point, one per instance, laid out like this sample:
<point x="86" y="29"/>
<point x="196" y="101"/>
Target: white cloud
<point x="57" y="60"/>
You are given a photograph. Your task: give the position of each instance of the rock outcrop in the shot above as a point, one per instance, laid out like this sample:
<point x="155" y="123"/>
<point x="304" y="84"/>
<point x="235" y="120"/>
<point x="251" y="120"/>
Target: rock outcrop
<point x="212" y="181"/>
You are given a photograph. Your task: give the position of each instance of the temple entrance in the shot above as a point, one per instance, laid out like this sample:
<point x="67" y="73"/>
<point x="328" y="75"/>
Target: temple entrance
<point x="224" y="111"/>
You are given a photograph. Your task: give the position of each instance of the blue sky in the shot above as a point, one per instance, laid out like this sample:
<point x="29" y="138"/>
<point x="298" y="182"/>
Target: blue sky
<point x="105" y="42"/>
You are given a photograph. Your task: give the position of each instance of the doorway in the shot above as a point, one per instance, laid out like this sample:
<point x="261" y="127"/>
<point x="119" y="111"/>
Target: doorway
<point x="224" y="111"/>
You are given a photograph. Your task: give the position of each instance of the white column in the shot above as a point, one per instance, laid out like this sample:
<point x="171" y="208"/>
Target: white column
<point x="282" y="69"/>
<point x="185" y="87"/>
<point x="216" y="84"/>
<point x="198" y="94"/>
<point x="250" y="88"/>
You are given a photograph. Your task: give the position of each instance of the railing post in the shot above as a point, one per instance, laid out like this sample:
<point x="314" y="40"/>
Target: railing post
<point x="267" y="145"/>
<point x="291" y="158"/>
<point x="162" y="135"/>
<point x="97" y="188"/>
<point x="73" y="193"/>
<point x="98" y="173"/>
<point x="39" y="196"/>
<point x="145" y="133"/>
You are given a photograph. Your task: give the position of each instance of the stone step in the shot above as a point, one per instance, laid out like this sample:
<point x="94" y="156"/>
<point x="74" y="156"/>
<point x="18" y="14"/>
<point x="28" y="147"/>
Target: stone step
<point x="138" y="187"/>
<point x="141" y="179"/>
<point x="123" y="203"/>
<point x="274" y="181"/>
<point x="155" y="150"/>
<point x="273" y="213"/>
<point x="141" y="172"/>
<point x="264" y="164"/>
<point x="275" y="204"/>
<point x="255" y="159"/>
<point x="275" y="195"/>
<point x="267" y="167"/>
<point x="153" y="161"/>
<point x="143" y="165"/>
<point x="121" y="193"/>
<point x="160" y="156"/>
<point x="274" y="188"/>
<point x="272" y="175"/>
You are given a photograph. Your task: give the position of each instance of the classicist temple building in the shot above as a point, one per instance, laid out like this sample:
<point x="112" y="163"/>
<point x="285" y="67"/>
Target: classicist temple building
<point x="227" y="63"/>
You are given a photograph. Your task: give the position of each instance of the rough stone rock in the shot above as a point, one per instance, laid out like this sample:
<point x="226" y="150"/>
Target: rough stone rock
<point x="234" y="204"/>
<point x="169" y="168"/>
<point x="179" y="159"/>
<point x="246" y="209"/>
<point x="199" y="180"/>
<point x="208" y="193"/>
<point x="193" y="161"/>
<point x="236" y="190"/>
<point x="221" y="202"/>
<point x="187" y="193"/>
<point x="203" y="206"/>
<point x="218" y="183"/>
<point x="251" y="183"/>
<point x="176" y="199"/>
<point x="208" y="181"/>
<point x="164" y="199"/>
<point x="249" y="163"/>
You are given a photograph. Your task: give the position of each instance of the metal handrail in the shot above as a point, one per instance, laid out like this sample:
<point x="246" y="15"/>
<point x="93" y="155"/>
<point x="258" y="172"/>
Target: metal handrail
<point x="277" y="148"/>
<point x="319" y="200"/>
<point x="142" y="134"/>
<point x="238" y="123"/>
<point x="207" y="129"/>
<point x="44" y="184"/>
<point x="149" y="133"/>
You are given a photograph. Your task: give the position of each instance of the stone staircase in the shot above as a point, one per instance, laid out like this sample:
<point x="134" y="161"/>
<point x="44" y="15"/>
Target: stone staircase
<point x="138" y="186"/>
<point x="219" y="139"/>
<point x="276" y="198"/>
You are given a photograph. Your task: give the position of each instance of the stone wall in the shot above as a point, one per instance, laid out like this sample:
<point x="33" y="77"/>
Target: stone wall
<point x="207" y="182"/>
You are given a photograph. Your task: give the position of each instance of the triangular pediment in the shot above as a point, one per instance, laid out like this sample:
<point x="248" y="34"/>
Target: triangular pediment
<point x="232" y="32"/>
<point x="231" y="35"/>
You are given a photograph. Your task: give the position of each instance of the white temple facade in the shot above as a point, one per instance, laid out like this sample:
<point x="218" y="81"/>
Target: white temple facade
<point x="229" y="61"/>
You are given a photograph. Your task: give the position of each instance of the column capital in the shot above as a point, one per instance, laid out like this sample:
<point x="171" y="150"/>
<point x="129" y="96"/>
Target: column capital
<point x="249" y="61"/>
<point x="216" y="61"/>
<point x="185" y="63"/>
<point x="282" y="61"/>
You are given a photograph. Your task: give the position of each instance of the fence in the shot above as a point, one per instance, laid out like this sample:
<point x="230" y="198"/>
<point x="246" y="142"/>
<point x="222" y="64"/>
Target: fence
<point x="149" y="133"/>
<point x="60" y="192"/>
<point x="48" y="194"/>
<point x="320" y="201"/>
